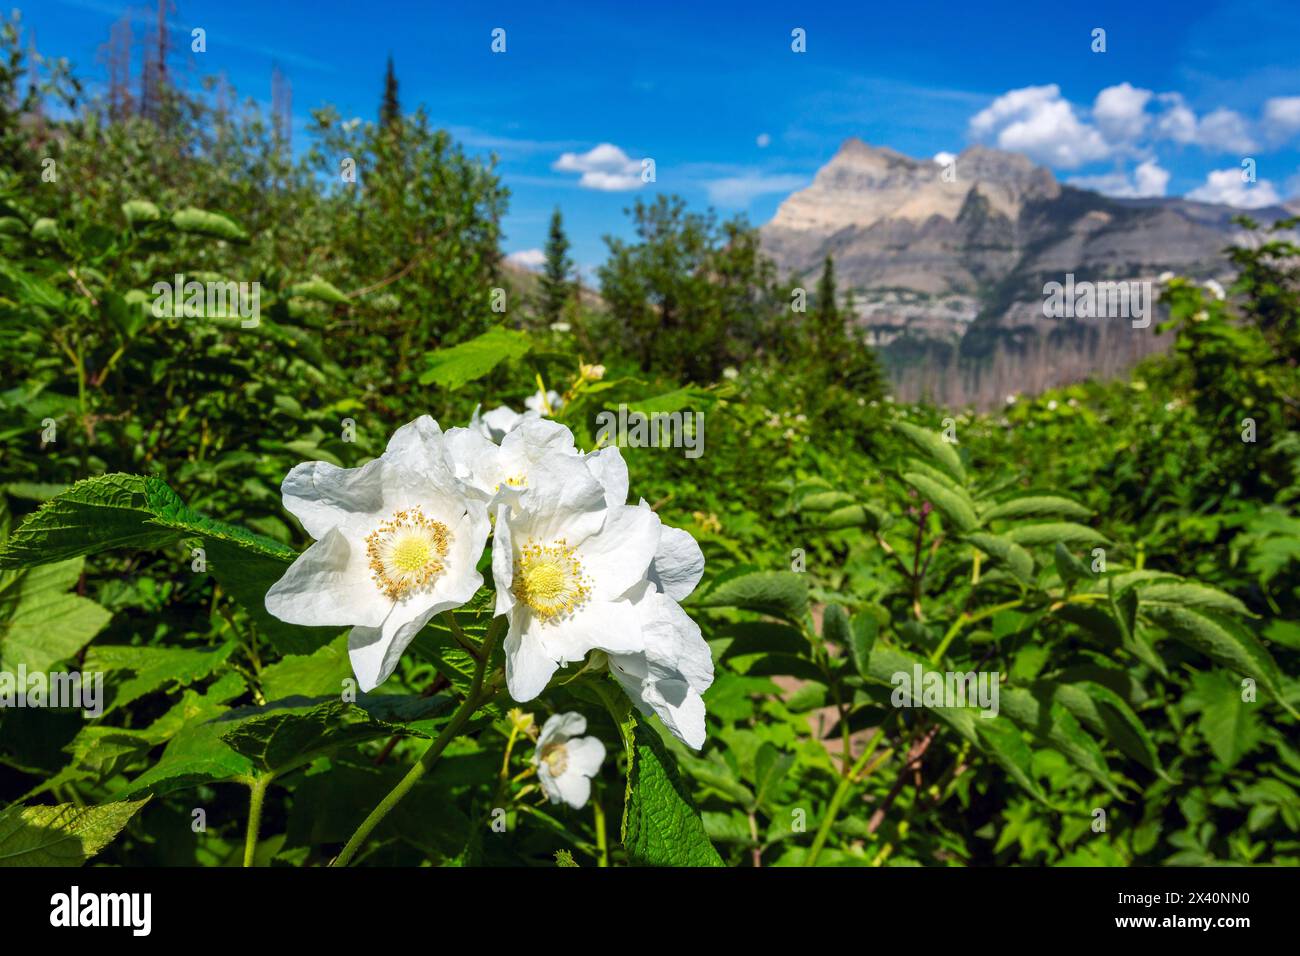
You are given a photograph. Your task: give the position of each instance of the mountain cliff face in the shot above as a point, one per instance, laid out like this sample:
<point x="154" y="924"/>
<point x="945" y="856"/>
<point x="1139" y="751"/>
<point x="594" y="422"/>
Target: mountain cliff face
<point x="948" y="265"/>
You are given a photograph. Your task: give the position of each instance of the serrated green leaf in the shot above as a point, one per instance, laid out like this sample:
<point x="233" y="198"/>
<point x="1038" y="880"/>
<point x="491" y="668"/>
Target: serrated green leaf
<point x="453" y="367"/>
<point x="954" y="505"/>
<point x="934" y="447"/>
<point x="1065" y="532"/>
<point x="779" y="593"/>
<point x="661" y="826"/>
<point x="1037" y="506"/>
<point x="62" y="835"/>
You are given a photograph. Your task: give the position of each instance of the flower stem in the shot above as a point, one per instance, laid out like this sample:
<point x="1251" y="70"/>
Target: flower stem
<point x="475" y="697"/>
<point x="602" y="843"/>
<point x="258" y="786"/>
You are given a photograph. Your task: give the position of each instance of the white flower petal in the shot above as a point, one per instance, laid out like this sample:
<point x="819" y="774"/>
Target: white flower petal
<point x="678" y="563"/>
<point x="560" y="727"/>
<point x="610" y="626"/>
<point x="324" y="496"/>
<point x="528" y="666"/>
<point x="611" y="471"/>
<point x="328" y="585"/>
<point x="574" y="788"/>
<point x="620" y="554"/>
<point x="586" y="754"/>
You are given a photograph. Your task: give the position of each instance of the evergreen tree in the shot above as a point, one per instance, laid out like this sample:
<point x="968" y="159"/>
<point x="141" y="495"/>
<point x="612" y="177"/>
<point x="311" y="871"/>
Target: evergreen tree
<point x="557" y="282"/>
<point x="828" y="324"/>
<point x="390" y="110"/>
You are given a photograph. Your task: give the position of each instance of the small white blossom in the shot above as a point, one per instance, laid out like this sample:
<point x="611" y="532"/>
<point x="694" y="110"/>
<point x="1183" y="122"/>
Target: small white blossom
<point x="565" y="761"/>
<point x="1215" y="289"/>
<point x="544" y="403"/>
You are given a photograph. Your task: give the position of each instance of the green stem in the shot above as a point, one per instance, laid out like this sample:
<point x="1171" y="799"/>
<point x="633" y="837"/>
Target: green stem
<point x="258" y="786"/>
<point x="474" y="698"/>
<point x="838" y="797"/>
<point x="602" y="842"/>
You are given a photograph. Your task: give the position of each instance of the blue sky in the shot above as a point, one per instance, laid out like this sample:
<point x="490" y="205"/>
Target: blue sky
<point x="733" y="118"/>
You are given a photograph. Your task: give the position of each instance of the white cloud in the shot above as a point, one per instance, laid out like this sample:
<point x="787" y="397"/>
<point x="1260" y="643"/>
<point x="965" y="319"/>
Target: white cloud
<point x="1147" y="180"/>
<point x="1038" y="122"/>
<point x="736" y="192"/>
<point x="527" y="258"/>
<point x="1282" y="117"/>
<point x="1226" y="186"/>
<point x="604" y="167"/>
<point x="1177" y="122"/>
<point x="764" y="140"/>
<point x="944" y="158"/>
<point x="1120" y="112"/>
<point x="1224" y="131"/>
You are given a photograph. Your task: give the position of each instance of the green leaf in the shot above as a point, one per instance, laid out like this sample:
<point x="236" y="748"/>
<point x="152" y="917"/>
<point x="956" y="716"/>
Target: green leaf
<point x="778" y="593"/>
<point x="282" y="735"/>
<point x="48" y="626"/>
<point x="1065" y="532"/>
<point x="770" y="768"/>
<point x="933" y="446"/>
<point x="1105" y="712"/>
<point x="954" y="505"/>
<point x="1016" y="558"/>
<point x="1225" y="642"/>
<point x="153" y="668"/>
<point x="453" y="367"/>
<point x="661" y="826"/>
<point x="199" y="222"/>
<point x="1037" y="506"/>
<point x="319" y="290"/>
<point x="196" y="755"/>
<point x="1190" y="594"/>
<point x="864" y="628"/>
<point x="835" y="625"/>
<point x="139" y="211"/>
<point x="1052" y="723"/>
<point x="130" y="511"/>
<point x="993" y="736"/>
<point x="1070" y="568"/>
<point x="1228" y="723"/>
<point x="111" y="511"/>
<point x="62" y="835"/>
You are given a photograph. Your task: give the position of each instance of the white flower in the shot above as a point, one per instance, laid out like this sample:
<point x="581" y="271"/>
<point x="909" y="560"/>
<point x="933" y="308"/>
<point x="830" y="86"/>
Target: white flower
<point x="563" y="558"/>
<point x="1166" y="277"/>
<point x="566" y="762"/>
<point x="1215" y="289"/>
<point x="1051" y="406"/>
<point x="544" y="403"/>
<point x="397" y="541"/>
<point x="499" y="422"/>
<point x="1011" y="399"/>
<point x="560" y="327"/>
<point x="670" y="673"/>
<point x="730" y="374"/>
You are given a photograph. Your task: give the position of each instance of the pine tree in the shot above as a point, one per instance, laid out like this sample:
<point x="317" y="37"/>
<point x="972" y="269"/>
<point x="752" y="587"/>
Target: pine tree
<point x="557" y="284"/>
<point x="828" y="324"/>
<point x="390" y="110"/>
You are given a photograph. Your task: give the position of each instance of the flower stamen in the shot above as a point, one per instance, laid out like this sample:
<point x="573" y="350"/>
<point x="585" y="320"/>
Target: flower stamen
<point x="406" y="552"/>
<point x="549" y="579"/>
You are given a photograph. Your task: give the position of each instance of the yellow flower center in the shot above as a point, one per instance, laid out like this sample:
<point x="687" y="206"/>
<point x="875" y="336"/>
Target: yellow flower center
<point x="406" y="552"/>
<point x="549" y="579"/>
<point x="556" y="758"/>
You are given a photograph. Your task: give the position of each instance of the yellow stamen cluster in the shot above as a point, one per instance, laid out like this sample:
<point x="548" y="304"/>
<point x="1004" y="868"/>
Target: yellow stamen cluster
<point x="556" y="758"/>
<point x="406" y="552"/>
<point x="549" y="579"/>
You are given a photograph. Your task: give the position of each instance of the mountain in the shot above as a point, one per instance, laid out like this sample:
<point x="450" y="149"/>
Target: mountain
<point x="948" y="265"/>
